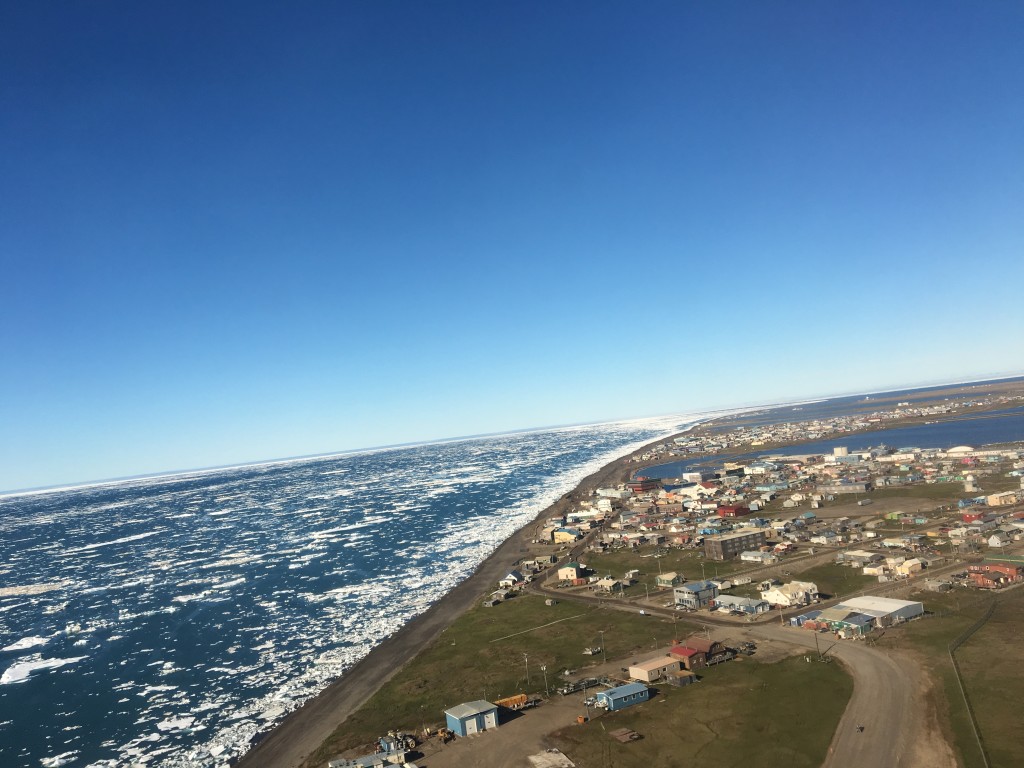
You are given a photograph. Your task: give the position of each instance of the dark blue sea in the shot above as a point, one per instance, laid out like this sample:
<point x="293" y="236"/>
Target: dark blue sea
<point x="167" y="621"/>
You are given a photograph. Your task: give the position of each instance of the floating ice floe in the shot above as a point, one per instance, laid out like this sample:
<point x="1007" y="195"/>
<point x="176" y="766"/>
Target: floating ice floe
<point x="98" y="545"/>
<point x="26" y="642"/>
<point x="20" y="672"/>
<point x="175" y="723"/>
<point x="58" y="760"/>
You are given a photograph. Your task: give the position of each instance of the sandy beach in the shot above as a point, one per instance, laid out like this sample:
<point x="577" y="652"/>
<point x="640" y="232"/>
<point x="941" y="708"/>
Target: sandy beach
<point x="293" y="741"/>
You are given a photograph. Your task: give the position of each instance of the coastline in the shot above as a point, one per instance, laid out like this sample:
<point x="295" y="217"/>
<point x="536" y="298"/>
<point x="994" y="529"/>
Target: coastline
<point x="293" y="741"/>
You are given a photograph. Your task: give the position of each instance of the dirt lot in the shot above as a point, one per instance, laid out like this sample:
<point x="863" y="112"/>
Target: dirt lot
<point x="509" y="745"/>
<point x="878" y="507"/>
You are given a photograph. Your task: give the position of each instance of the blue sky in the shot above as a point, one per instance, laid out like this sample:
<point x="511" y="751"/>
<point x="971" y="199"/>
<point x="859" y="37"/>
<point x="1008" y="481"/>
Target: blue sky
<point x="243" y="231"/>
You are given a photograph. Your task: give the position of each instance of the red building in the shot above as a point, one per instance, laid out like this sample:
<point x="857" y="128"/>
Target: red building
<point x="643" y="485"/>
<point x="995" y="575"/>
<point x="733" y="511"/>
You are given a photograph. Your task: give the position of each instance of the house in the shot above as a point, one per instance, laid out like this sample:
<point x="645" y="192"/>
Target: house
<point x="733" y="511"/>
<point x="745" y="604"/>
<point x="698" y="652"/>
<point x="470" y="718"/>
<point x="696" y="595"/>
<point x="789" y="595"/>
<point x="1000" y="539"/>
<point x="764" y="558"/>
<point x="690" y="658"/>
<point x="623" y="696"/>
<point x="669" y="580"/>
<point x="514" y="578"/>
<point x="653" y="669"/>
<point x="909" y="567"/>
<point x="608" y="584"/>
<point x="566" y="535"/>
<point x="1001" y="499"/>
<point x="995" y="575"/>
<point x="571" y="571"/>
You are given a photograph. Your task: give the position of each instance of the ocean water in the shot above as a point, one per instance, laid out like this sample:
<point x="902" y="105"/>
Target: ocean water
<point x="167" y="621"/>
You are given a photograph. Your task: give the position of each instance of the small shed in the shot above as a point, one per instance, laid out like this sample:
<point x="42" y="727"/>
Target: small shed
<point x="472" y="717"/>
<point x="623" y="696"/>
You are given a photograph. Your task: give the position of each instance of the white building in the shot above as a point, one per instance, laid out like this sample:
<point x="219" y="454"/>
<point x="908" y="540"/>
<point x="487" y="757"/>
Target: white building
<point x="885" y="610"/>
<point x="794" y="593"/>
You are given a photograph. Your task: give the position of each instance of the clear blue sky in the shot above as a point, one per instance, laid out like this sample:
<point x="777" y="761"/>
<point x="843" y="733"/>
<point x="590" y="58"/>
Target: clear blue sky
<point x="237" y="231"/>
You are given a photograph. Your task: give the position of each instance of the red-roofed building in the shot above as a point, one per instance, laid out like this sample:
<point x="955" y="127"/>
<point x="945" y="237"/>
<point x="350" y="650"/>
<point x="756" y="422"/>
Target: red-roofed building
<point x="995" y="575"/>
<point x="690" y="657"/>
<point x="733" y="511"/>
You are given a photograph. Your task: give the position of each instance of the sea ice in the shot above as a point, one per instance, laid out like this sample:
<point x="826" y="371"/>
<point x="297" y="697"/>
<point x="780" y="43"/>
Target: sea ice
<point x="19" y="672"/>
<point x="26" y="642"/>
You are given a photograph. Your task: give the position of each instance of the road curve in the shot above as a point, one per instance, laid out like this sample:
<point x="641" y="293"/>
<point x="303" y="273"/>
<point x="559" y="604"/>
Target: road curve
<point x="883" y="701"/>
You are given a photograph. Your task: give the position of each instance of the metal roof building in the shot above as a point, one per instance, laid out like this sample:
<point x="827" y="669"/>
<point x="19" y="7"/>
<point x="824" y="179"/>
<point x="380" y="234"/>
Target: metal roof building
<point x="623" y="696"/>
<point x="885" y="610"/>
<point x="472" y="717"/>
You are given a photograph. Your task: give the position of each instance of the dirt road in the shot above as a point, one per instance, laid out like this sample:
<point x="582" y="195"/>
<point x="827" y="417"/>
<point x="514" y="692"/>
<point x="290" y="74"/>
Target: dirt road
<point x="887" y="702"/>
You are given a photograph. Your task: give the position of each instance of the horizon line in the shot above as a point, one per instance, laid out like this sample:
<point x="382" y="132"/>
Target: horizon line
<point x="173" y="473"/>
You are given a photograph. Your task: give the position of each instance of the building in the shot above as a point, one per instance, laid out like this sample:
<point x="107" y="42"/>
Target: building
<point x="653" y="669"/>
<point x="886" y="611"/>
<point x="512" y="579"/>
<point x="755" y="556"/>
<point x="1000" y="539"/>
<point x="670" y="579"/>
<point x="844" y="486"/>
<point x="995" y="575"/>
<point x="747" y="605"/>
<point x="699" y="652"/>
<point x="470" y="718"/>
<point x="623" y="696"/>
<point x="844" y="621"/>
<point x="566" y="535"/>
<point x="643" y="485"/>
<point x="729" y="545"/>
<point x="789" y="595"/>
<point x="733" y="511"/>
<point x="571" y="571"/>
<point x="1001" y="499"/>
<point x="696" y="595"/>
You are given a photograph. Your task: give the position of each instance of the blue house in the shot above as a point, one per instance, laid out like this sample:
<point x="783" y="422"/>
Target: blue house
<point x="472" y="717"/>
<point x="623" y="696"/>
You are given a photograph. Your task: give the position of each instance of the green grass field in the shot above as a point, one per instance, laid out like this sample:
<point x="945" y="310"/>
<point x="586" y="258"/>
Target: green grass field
<point x="740" y="714"/>
<point x="950" y="615"/>
<point x="994" y="679"/>
<point x="470" y="660"/>
<point x="833" y="579"/>
<point x="691" y="563"/>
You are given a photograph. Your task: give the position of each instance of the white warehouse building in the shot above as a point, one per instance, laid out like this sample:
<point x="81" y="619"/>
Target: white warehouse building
<point x="885" y="610"/>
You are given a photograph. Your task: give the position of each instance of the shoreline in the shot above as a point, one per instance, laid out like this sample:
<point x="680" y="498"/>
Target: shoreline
<point x="293" y="741"/>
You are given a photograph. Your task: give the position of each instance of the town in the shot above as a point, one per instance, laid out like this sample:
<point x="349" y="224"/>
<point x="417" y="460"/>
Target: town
<point x="753" y="558"/>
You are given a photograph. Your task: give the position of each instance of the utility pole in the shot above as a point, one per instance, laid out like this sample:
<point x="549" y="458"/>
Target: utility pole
<point x="544" y="669"/>
<point x="604" y="653"/>
<point x="526" y="661"/>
